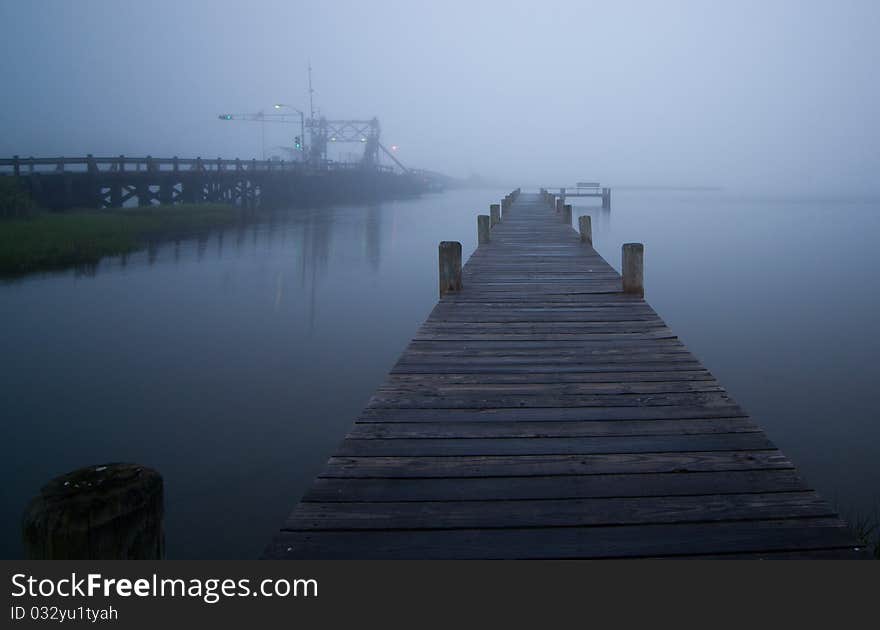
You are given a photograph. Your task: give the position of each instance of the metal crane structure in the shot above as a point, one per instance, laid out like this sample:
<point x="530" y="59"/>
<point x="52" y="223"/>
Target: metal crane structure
<point x="323" y="132"/>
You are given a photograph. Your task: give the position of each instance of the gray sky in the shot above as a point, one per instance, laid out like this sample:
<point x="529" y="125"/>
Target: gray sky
<point x="771" y="94"/>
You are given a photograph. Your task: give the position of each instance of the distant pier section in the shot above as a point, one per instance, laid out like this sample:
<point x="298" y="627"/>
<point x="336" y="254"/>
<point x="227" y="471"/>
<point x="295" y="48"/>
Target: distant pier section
<point x="586" y="189"/>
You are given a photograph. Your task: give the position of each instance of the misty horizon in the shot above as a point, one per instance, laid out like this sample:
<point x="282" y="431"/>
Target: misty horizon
<point x="772" y="97"/>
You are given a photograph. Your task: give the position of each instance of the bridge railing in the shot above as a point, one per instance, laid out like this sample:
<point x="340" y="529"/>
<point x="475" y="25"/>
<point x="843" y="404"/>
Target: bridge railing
<point x="22" y="166"/>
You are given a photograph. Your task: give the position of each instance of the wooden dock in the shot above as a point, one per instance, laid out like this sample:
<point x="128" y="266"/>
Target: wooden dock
<point x="540" y="412"/>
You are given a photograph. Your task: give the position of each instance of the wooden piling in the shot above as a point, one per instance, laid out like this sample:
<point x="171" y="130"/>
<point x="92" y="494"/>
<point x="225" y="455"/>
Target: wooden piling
<point x="633" y="268"/>
<point x="559" y="203"/>
<point x="585" y="227"/>
<point x="483" y="227"/>
<point x="566" y="214"/>
<point x="494" y="214"/>
<point x="109" y="512"/>
<point x="450" y="266"/>
<point x="606" y="198"/>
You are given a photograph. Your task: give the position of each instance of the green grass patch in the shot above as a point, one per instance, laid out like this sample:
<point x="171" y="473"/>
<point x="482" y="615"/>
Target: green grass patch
<point x="57" y="240"/>
<point x="14" y="202"/>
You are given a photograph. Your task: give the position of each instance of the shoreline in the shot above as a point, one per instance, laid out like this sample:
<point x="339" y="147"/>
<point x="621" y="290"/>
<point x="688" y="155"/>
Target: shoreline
<point x="47" y="241"/>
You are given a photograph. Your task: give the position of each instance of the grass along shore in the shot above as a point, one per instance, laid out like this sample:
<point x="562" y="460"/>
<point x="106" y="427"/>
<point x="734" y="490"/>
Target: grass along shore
<point x="47" y="240"/>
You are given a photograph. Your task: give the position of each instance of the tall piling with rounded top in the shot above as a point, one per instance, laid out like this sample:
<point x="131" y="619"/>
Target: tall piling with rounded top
<point x="107" y="512"/>
<point x="566" y="214"/>
<point x="633" y="268"/>
<point x="585" y="227"/>
<point x="606" y="198"/>
<point x="494" y="214"/>
<point x="483" y="229"/>
<point x="559" y="203"/>
<point x="450" y="266"/>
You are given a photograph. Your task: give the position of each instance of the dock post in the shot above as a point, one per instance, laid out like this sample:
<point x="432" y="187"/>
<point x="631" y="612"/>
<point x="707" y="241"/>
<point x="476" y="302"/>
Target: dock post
<point x="450" y="266"/>
<point x="494" y="214"/>
<point x="566" y="214"/>
<point x="109" y="512"/>
<point x="585" y="226"/>
<point x="559" y="203"/>
<point x="633" y="268"/>
<point x="606" y="198"/>
<point x="483" y="228"/>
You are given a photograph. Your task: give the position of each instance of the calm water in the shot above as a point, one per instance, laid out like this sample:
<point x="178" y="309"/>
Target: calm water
<point x="235" y="363"/>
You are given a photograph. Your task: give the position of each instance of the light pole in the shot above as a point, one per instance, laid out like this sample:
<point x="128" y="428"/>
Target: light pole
<point x="263" y="133"/>
<point x="302" y="121"/>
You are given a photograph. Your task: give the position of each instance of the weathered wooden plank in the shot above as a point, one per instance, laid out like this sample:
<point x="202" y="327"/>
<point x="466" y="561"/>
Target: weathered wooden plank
<point x="569" y="542"/>
<point x="367" y="490"/>
<point x="543" y="465"/>
<point x="559" y="414"/>
<point x="421" y="349"/>
<point x="483" y="391"/>
<point x="553" y="446"/>
<point x="584" y="368"/>
<point x="503" y="514"/>
<point x="695" y="399"/>
<point x="847" y="553"/>
<point x="504" y="429"/>
<point x="598" y="335"/>
<point x="538" y="330"/>
<point x="550" y="377"/>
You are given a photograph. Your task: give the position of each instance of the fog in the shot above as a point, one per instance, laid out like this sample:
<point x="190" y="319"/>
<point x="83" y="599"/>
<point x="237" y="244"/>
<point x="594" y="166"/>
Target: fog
<point x="769" y="95"/>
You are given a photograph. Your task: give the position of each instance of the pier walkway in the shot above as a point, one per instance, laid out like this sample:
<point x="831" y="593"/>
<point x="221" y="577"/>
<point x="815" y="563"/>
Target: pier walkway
<point x="540" y="412"/>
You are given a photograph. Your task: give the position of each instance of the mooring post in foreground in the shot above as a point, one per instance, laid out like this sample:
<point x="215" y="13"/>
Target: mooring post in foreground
<point x="585" y="227"/>
<point x="108" y="512"/>
<point x="494" y="214"/>
<point x="483" y="228"/>
<point x="633" y="268"/>
<point x="450" y="267"/>
<point x="566" y="214"/>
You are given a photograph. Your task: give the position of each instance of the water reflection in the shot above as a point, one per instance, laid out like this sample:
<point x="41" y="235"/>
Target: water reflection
<point x="233" y="363"/>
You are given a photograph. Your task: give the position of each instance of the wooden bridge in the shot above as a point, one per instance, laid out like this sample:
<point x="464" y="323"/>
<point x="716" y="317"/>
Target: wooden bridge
<point x="544" y="410"/>
<point x="61" y="183"/>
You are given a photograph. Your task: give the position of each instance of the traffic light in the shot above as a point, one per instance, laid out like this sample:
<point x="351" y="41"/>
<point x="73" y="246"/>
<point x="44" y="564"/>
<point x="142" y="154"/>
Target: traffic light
<point x="297" y="142"/>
